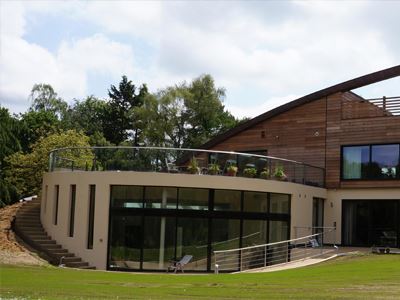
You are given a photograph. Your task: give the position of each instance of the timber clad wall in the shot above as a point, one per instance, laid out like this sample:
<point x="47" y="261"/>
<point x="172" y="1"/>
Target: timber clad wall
<point x="314" y="132"/>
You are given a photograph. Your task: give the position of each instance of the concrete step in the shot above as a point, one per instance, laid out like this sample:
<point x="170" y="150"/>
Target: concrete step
<point x="51" y="246"/>
<point x="59" y="255"/>
<point x="71" y="259"/>
<point x="88" y="268"/>
<point x="43" y="242"/>
<point x="39" y="237"/>
<point x="77" y="264"/>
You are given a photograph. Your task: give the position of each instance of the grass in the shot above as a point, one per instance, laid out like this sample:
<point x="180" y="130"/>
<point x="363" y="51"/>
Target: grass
<point x="359" y="277"/>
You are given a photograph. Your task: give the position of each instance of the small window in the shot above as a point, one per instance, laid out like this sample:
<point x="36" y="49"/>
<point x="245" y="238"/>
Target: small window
<point x="92" y="197"/>
<point x="72" y="210"/>
<point x="56" y="195"/>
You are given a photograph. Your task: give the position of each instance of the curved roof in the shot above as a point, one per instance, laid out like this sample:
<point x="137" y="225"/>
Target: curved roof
<point x="341" y="87"/>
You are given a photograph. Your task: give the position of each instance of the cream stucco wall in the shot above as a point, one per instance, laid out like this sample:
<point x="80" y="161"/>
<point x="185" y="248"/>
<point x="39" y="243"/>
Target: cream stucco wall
<point x="301" y="202"/>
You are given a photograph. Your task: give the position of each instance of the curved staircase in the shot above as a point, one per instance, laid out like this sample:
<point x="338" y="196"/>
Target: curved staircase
<point x="27" y="225"/>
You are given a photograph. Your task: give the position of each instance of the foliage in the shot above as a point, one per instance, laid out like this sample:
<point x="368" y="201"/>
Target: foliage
<point x="279" y="172"/>
<point x="25" y="171"/>
<point x="250" y="172"/>
<point x="120" y="118"/>
<point x="193" y="166"/>
<point x="9" y="144"/>
<point x="349" y="277"/>
<point x="232" y="170"/>
<point x="44" y="98"/>
<point x="213" y="169"/>
<point x="265" y="173"/>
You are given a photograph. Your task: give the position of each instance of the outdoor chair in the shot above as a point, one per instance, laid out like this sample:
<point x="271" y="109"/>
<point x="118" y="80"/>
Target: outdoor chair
<point x="180" y="264"/>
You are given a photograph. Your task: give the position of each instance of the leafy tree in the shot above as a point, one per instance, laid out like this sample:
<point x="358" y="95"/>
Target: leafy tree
<point x="186" y="115"/>
<point x="44" y="98"/>
<point x="87" y="115"/>
<point x="9" y="144"/>
<point x="120" y="118"/>
<point x="35" y="125"/>
<point x="25" y="171"/>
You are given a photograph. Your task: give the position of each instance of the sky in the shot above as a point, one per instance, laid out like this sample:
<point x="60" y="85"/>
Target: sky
<point x="264" y="53"/>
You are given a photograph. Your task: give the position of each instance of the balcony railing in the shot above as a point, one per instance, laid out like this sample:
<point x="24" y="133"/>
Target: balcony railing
<point x="184" y="161"/>
<point x="390" y="104"/>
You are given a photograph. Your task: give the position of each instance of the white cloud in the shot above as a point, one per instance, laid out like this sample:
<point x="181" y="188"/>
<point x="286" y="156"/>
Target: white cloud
<point x="305" y="47"/>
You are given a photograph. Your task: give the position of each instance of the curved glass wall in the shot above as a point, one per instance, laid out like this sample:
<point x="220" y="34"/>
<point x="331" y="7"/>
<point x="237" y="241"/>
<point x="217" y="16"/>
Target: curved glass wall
<point x="151" y="226"/>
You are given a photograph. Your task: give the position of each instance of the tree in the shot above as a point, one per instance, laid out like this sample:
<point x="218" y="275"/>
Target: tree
<point x="120" y="118"/>
<point x="44" y="98"/>
<point x="87" y="115"/>
<point x="25" y="171"/>
<point x="186" y="116"/>
<point x="9" y="144"/>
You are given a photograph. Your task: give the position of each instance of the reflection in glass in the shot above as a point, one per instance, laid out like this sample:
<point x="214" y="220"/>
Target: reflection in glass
<point x="193" y="199"/>
<point x="254" y="232"/>
<point x="128" y="196"/>
<point x="192" y="239"/>
<point x="226" y="200"/>
<point x="225" y="235"/>
<point x="255" y="202"/>
<point x="160" y="197"/>
<point x="384" y="161"/>
<point x="279" y="203"/>
<point x="355" y="162"/>
<point x="125" y="242"/>
<point x="159" y="242"/>
<point x="278" y="231"/>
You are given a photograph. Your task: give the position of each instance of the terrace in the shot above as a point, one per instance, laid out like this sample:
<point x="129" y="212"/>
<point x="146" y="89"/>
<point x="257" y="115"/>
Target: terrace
<point x="185" y="161"/>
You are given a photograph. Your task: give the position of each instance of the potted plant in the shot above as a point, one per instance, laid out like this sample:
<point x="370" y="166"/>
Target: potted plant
<point x="213" y="169"/>
<point x="279" y="173"/>
<point x="250" y="172"/>
<point x="265" y="173"/>
<point x="193" y="166"/>
<point x="232" y="170"/>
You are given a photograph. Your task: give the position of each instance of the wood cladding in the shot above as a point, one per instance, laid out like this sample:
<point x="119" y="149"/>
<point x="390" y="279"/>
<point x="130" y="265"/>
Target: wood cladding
<point x="314" y="132"/>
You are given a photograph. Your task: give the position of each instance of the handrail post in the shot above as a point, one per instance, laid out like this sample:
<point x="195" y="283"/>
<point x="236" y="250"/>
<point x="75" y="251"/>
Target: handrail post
<point x="384" y="102"/>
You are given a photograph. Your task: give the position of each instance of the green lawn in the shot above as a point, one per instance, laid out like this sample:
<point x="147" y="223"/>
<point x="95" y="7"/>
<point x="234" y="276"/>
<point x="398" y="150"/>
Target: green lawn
<point x="362" y="277"/>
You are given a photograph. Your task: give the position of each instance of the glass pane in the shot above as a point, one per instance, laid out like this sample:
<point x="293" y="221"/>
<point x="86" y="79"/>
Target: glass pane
<point x="159" y="242"/>
<point x="129" y="196"/>
<point x="126" y="239"/>
<point x="279" y="203"/>
<point x="193" y="199"/>
<point x="385" y="159"/>
<point x="226" y="235"/>
<point x="160" y="197"/>
<point x="278" y="231"/>
<point x="192" y="239"/>
<point x="227" y="200"/>
<point x="254" y="232"/>
<point x="255" y="202"/>
<point x="355" y="162"/>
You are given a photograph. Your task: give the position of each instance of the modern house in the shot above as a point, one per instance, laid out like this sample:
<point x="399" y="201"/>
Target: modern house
<point x="328" y="159"/>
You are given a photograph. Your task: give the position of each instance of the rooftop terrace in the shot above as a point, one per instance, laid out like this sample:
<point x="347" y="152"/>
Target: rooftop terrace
<point x="193" y="162"/>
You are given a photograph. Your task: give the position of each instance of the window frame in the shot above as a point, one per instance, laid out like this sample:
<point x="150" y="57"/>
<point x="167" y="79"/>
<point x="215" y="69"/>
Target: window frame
<point x="368" y="178"/>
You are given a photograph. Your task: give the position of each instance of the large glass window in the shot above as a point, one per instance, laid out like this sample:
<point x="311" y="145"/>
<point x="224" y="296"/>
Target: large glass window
<point x="355" y="162"/>
<point x="128" y="196"/>
<point x="158" y="242"/>
<point x="255" y="202"/>
<point x="279" y="203"/>
<point x="193" y="199"/>
<point x="254" y="232"/>
<point x="384" y="161"/>
<point x="160" y="197"/>
<point x="225" y="235"/>
<point x="371" y="162"/>
<point x="192" y="239"/>
<point x="125" y="242"/>
<point x="278" y="231"/>
<point x="226" y="200"/>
